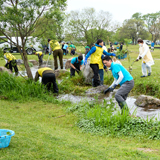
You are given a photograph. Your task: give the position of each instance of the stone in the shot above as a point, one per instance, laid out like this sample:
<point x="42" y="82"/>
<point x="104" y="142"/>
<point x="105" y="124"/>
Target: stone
<point x="34" y="62"/>
<point x="87" y="73"/>
<point x="19" y="61"/>
<point x="3" y="69"/>
<point x="58" y="71"/>
<point x="79" y="54"/>
<point x="68" y="63"/>
<point x="147" y="101"/>
<point x="96" y="90"/>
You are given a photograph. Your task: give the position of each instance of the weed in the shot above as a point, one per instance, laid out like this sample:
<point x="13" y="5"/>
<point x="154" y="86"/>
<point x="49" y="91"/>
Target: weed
<point x="104" y="119"/>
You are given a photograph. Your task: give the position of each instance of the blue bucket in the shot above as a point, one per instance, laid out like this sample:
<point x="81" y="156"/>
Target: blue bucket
<point x="5" y="137"/>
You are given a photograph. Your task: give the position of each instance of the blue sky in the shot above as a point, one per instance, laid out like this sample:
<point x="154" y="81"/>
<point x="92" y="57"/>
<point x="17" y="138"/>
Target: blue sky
<point x="120" y="9"/>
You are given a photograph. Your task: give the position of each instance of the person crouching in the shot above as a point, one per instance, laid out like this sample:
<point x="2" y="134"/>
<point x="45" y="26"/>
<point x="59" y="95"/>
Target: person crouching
<point x="40" y="57"/>
<point x="48" y="78"/>
<point x="76" y="65"/>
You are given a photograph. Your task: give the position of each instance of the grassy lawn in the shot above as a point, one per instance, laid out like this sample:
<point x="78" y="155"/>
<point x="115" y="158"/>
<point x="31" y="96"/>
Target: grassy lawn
<point x="46" y="131"/>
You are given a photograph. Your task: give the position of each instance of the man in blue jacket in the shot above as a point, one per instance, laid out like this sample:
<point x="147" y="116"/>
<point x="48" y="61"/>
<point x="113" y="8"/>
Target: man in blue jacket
<point x="96" y="54"/>
<point x="122" y="77"/>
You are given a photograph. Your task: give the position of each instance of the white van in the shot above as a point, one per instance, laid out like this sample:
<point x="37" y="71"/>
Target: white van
<point x="32" y="44"/>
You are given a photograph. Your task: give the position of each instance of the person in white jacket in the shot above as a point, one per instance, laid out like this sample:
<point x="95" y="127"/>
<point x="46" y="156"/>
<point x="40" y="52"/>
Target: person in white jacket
<point x="145" y="55"/>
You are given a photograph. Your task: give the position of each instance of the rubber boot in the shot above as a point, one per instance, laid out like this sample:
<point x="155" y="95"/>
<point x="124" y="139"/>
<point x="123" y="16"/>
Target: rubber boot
<point x="124" y="107"/>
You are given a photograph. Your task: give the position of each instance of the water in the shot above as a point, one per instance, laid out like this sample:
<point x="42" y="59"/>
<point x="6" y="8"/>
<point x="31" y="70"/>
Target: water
<point x="138" y="111"/>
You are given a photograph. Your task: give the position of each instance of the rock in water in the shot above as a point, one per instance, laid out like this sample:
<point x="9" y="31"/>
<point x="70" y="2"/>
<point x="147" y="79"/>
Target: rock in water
<point x="34" y="62"/>
<point x="19" y="61"/>
<point x="96" y="90"/>
<point x="147" y="101"/>
<point x="87" y="73"/>
<point x="68" y="63"/>
<point x="3" y="69"/>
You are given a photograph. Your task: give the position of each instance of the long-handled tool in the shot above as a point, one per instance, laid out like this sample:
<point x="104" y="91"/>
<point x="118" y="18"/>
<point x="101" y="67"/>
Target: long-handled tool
<point x="47" y="61"/>
<point x="130" y="67"/>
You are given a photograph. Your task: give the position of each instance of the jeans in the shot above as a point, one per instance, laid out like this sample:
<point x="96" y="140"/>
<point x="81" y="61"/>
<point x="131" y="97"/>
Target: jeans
<point x="145" y="67"/>
<point x="101" y="74"/>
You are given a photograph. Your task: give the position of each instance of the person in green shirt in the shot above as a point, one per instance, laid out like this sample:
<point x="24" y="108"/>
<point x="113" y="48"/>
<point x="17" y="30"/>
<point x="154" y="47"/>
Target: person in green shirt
<point x="73" y="49"/>
<point x="87" y="48"/>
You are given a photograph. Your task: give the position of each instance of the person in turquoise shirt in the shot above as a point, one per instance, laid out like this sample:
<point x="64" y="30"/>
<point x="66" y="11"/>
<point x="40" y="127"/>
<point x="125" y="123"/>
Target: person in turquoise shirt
<point x="76" y="65"/>
<point x="122" y="77"/>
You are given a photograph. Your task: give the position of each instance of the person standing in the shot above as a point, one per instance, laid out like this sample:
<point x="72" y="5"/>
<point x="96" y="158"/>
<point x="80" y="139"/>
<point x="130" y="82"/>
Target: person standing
<point x="76" y="65"/>
<point x="57" y="51"/>
<point x="87" y="48"/>
<point x="65" y="48"/>
<point x="11" y="62"/>
<point x="104" y="47"/>
<point x="48" y="78"/>
<point x="121" y="47"/>
<point x="122" y="77"/>
<point x="145" y="55"/>
<point x="73" y="49"/>
<point x="101" y="70"/>
<point x="40" y="57"/>
<point x="152" y="46"/>
<point x="62" y="47"/>
<point x="96" y="53"/>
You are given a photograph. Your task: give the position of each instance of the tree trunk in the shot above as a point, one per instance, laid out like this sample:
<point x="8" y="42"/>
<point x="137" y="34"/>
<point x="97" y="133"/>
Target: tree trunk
<point x="25" y="60"/>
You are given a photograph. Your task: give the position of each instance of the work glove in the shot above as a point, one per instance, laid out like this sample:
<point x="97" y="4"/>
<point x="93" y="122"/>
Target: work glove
<point x="77" y="70"/>
<point x="113" y="54"/>
<point x="49" y="54"/>
<point x="112" y="88"/>
<point x="85" y="61"/>
<point x="107" y="90"/>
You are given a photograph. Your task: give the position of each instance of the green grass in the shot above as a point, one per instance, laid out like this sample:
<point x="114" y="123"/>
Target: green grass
<point x="39" y="134"/>
<point x="46" y="128"/>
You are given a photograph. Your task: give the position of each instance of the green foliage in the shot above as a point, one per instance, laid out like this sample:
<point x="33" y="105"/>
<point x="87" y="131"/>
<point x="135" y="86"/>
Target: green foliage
<point x="17" y="88"/>
<point x="74" y="85"/>
<point x="104" y="119"/>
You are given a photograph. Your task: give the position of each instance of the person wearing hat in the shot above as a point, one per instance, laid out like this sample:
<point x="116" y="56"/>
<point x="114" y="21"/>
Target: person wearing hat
<point x="76" y="65"/>
<point x="48" y="78"/>
<point x="57" y="51"/>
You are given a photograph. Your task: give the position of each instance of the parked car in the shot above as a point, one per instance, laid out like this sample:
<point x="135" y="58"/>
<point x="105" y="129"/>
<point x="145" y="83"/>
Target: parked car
<point x="148" y="42"/>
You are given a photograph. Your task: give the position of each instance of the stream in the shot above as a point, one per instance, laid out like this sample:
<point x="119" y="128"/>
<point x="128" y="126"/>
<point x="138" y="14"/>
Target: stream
<point x="138" y="111"/>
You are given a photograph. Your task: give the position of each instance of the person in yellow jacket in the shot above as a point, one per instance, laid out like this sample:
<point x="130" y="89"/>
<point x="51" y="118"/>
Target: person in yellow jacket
<point x="48" y="78"/>
<point x="145" y="55"/>
<point x="40" y="57"/>
<point x="96" y="53"/>
<point x="11" y="62"/>
<point x="57" y="51"/>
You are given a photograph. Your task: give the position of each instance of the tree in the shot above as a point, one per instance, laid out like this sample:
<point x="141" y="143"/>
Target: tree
<point x="19" y="18"/>
<point x="88" y="24"/>
<point x="152" y="21"/>
<point x="133" y="29"/>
